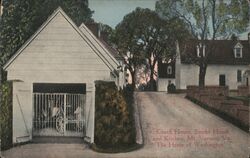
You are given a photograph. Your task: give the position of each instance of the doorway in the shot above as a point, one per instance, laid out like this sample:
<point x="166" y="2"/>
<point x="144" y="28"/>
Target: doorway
<point x="222" y="80"/>
<point x="58" y="110"/>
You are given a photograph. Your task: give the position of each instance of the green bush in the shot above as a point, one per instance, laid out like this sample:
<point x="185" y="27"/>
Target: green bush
<point x="6" y="116"/>
<point x="171" y="88"/>
<point x="114" y="126"/>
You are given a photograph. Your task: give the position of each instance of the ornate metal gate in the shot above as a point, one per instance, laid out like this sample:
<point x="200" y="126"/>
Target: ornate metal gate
<point x="58" y="114"/>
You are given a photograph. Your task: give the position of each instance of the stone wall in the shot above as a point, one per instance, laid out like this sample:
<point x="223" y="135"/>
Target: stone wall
<point x="243" y="90"/>
<point x="236" y="109"/>
<point x="215" y="98"/>
<point x="210" y="91"/>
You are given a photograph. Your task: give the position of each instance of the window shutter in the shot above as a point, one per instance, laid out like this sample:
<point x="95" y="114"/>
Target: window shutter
<point x="239" y="76"/>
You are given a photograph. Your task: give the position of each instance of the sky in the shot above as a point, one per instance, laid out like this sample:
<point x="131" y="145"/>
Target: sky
<point x="111" y="12"/>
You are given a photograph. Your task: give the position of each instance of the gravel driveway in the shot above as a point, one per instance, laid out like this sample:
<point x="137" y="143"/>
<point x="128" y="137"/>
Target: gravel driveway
<point x="173" y="127"/>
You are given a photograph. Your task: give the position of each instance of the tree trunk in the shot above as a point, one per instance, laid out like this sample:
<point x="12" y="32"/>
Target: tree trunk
<point x="133" y="79"/>
<point x="151" y="72"/>
<point x="152" y="81"/>
<point x="202" y="75"/>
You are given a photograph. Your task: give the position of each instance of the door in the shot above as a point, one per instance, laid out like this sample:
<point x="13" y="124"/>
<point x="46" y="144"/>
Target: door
<point x="58" y="114"/>
<point x="222" y="80"/>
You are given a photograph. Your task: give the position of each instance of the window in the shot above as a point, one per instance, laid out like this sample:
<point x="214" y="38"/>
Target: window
<point x="169" y="70"/>
<point x="201" y="49"/>
<point x="238" y="51"/>
<point x="198" y="51"/>
<point x="222" y="80"/>
<point x="239" y="76"/>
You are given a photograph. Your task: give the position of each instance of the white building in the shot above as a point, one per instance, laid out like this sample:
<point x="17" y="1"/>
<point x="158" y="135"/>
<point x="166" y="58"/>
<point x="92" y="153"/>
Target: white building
<point x="54" y="76"/>
<point x="227" y="65"/>
<point x="1" y="8"/>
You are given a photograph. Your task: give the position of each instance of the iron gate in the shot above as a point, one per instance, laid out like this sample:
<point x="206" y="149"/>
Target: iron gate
<point x="58" y="114"/>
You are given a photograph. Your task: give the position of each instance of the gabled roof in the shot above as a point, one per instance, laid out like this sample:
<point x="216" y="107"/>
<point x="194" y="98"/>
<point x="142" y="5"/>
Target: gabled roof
<point x="112" y="50"/>
<point x="100" y="43"/>
<point x="223" y="53"/>
<point x="238" y="45"/>
<point x="87" y="36"/>
<point x="103" y="37"/>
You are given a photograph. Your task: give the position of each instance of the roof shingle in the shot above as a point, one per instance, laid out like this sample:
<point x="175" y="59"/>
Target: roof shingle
<point x="223" y="52"/>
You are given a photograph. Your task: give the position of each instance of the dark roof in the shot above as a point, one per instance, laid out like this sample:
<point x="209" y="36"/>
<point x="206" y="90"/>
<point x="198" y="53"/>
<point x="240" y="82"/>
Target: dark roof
<point x="93" y="27"/>
<point x="223" y="52"/>
<point x="112" y="50"/>
<point x="102" y="36"/>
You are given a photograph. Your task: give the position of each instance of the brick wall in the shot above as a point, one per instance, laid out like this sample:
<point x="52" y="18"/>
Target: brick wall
<point x="243" y="90"/>
<point x="211" y="91"/>
<point x="215" y="97"/>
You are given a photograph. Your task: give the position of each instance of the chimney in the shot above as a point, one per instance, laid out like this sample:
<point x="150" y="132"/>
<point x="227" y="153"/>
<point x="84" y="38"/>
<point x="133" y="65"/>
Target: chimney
<point x="94" y="28"/>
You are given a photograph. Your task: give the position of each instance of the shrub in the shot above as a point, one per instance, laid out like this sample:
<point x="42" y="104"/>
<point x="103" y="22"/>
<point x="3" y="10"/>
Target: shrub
<point x="171" y="88"/>
<point x="128" y="94"/>
<point x="113" y="123"/>
<point x="6" y="116"/>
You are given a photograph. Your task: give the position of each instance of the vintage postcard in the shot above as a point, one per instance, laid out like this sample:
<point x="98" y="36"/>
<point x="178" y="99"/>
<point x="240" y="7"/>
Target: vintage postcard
<point x="124" y="78"/>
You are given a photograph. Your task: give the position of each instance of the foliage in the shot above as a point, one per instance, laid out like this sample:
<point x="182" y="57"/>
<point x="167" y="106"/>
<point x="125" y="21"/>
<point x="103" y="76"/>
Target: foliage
<point x="128" y="93"/>
<point x="108" y="32"/>
<point x="207" y="20"/>
<point x="113" y="125"/>
<point x="147" y="37"/>
<point x="6" y="116"/>
<point x="21" y="18"/>
<point x="171" y="88"/>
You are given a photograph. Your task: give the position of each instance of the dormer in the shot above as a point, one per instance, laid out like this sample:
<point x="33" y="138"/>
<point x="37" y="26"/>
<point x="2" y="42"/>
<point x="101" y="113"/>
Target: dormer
<point x="200" y="49"/>
<point x="238" y="50"/>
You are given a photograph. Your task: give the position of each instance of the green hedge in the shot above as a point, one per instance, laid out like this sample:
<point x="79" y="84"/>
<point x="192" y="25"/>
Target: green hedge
<point x="114" y="124"/>
<point x="6" y="116"/>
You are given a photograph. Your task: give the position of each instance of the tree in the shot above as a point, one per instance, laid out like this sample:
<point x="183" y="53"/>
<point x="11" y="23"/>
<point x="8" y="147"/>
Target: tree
<point x="107" y="32"/>
<point x="207" y="21"/>
<point x="21" y="18"/>
<point x="148" y="38"/>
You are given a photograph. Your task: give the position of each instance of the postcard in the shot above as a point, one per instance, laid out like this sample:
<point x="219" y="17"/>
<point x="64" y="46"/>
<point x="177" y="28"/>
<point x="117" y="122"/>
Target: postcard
<point x="124" y="79"/>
